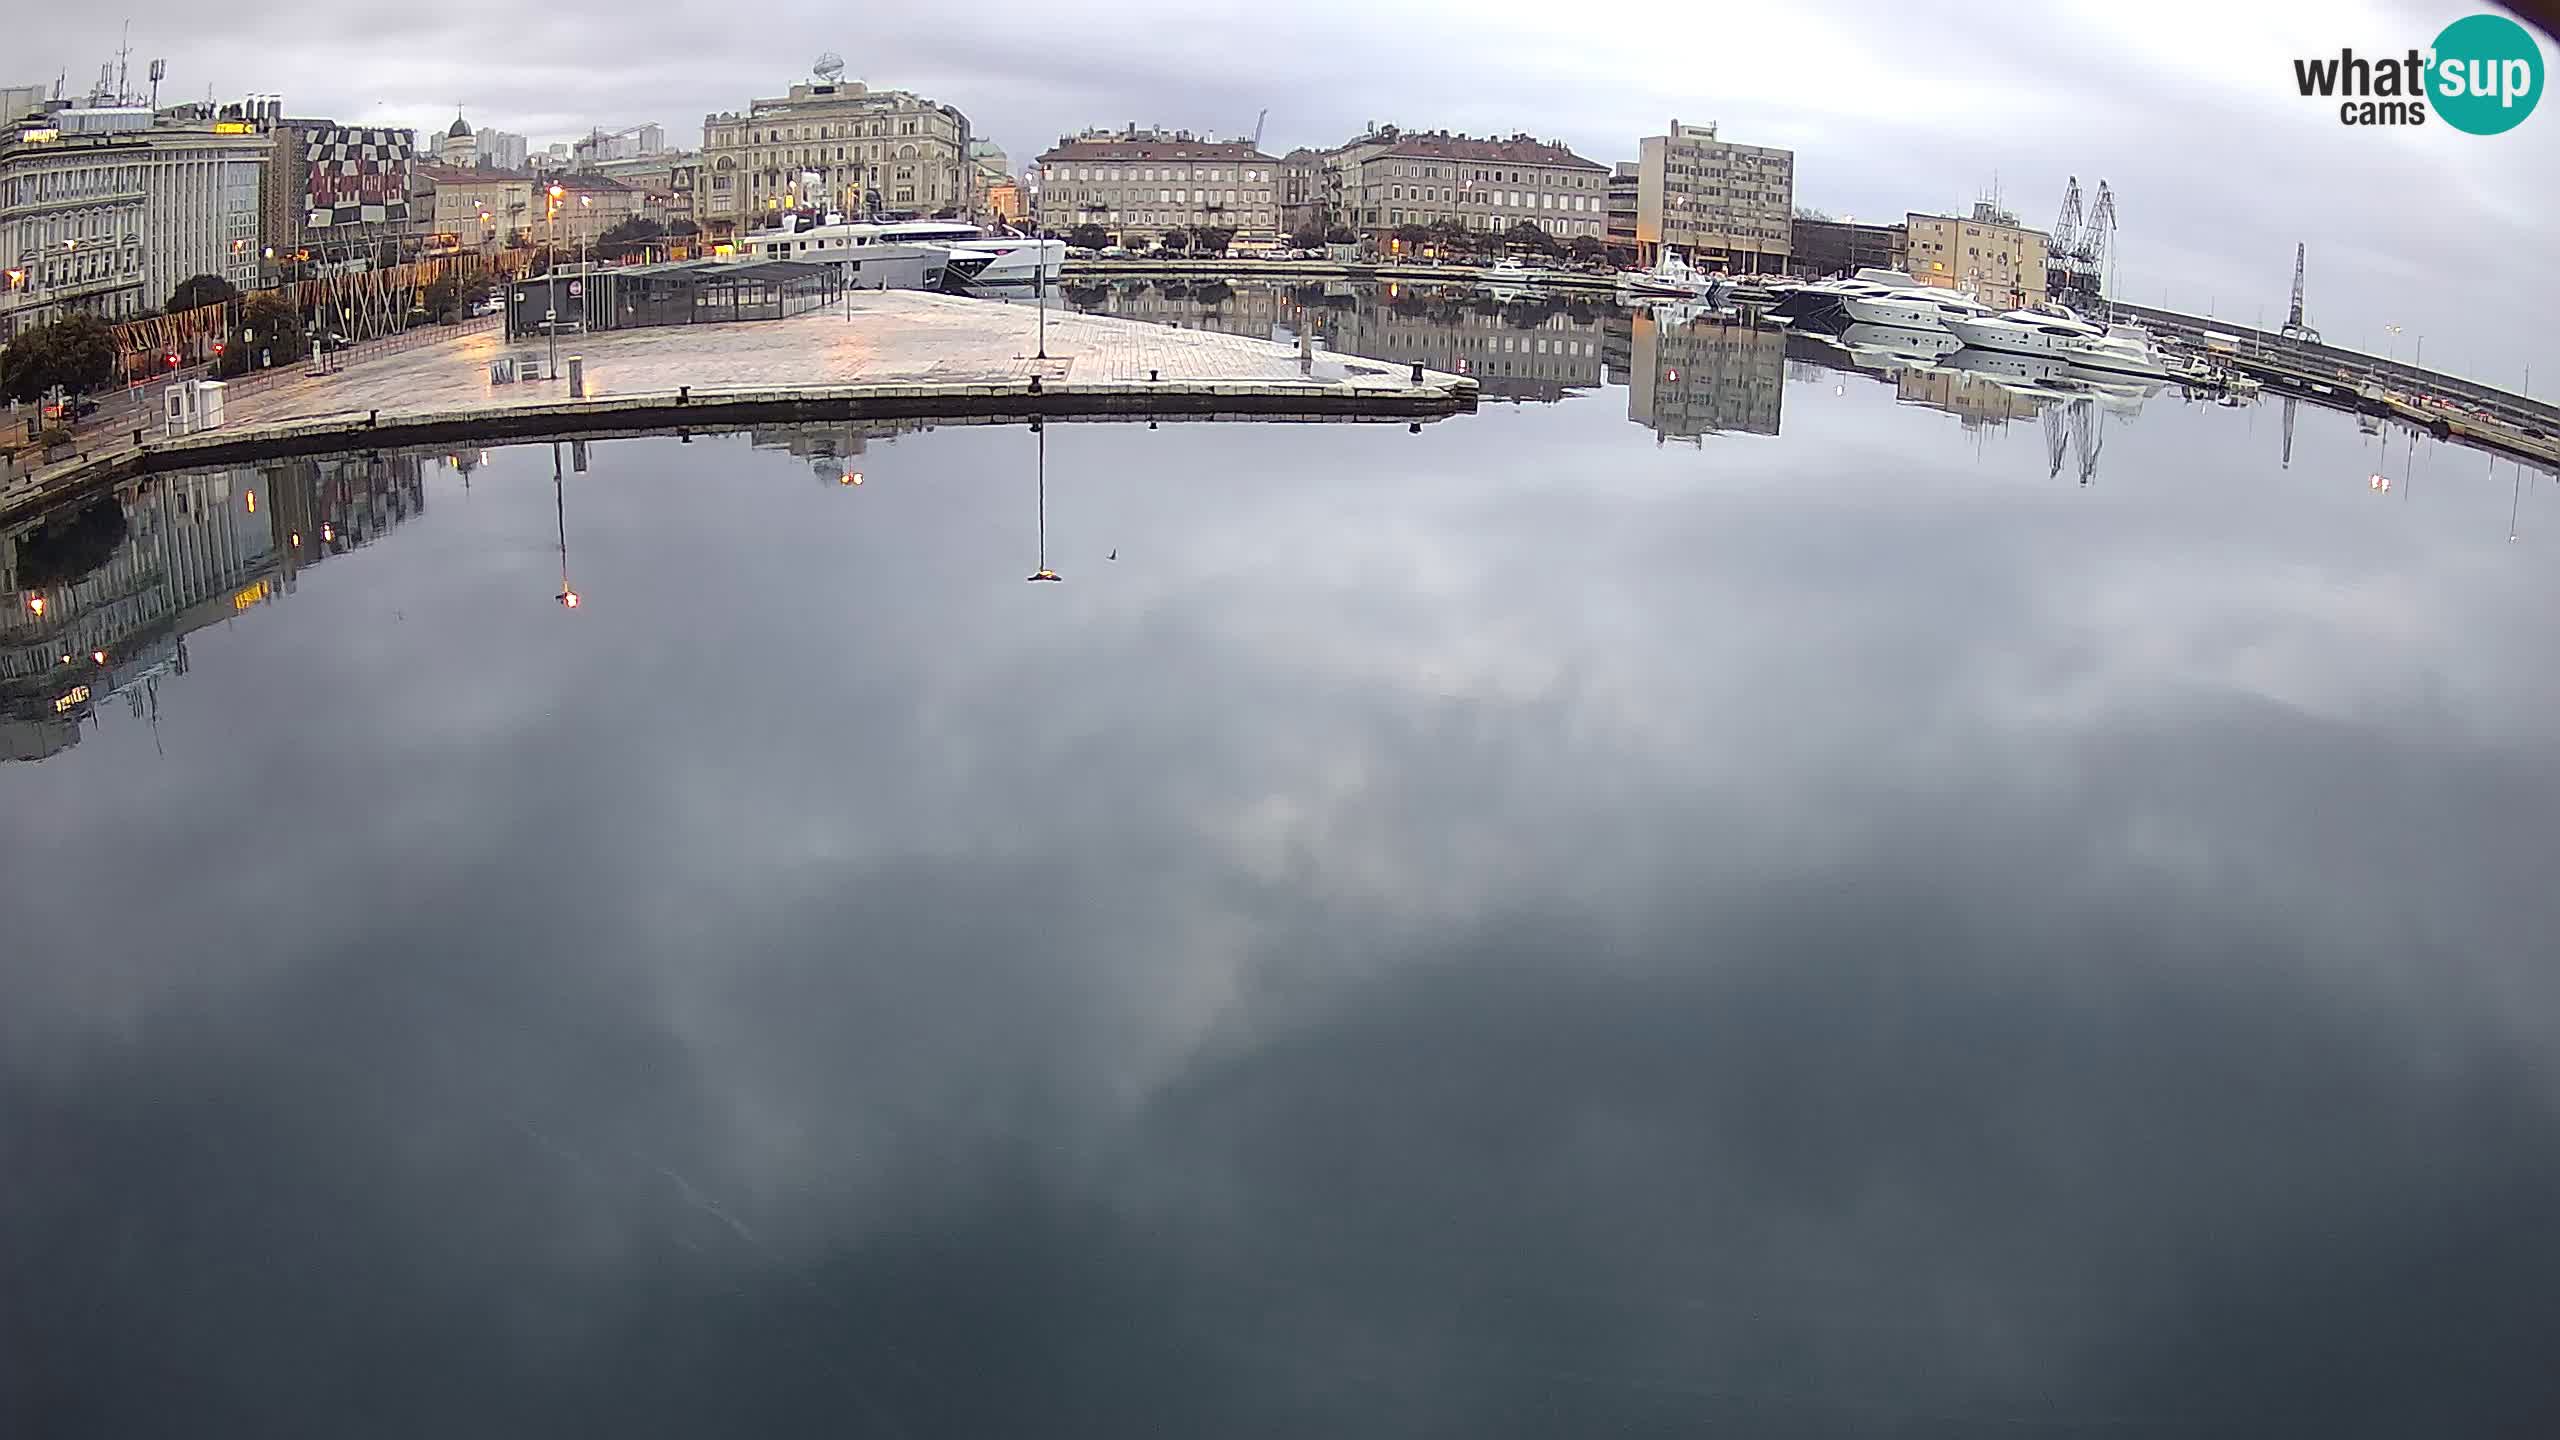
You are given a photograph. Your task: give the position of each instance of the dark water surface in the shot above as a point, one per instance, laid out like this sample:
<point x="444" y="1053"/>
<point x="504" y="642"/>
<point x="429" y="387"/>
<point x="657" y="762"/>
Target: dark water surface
<point x="1528" y="928"/>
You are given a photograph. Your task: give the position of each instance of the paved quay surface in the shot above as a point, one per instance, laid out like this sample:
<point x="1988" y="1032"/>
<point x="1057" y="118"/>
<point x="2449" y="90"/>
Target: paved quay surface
<point x="887" y="353"/>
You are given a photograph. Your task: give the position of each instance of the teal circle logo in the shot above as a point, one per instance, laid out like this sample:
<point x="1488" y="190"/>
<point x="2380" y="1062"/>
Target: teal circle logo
<point x="2487" y="74"/>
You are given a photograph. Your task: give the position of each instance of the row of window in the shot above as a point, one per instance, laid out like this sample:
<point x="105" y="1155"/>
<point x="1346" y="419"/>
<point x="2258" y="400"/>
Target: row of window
<point x="847" y="131"/>
<point x="69" y="182"/>
<point x="1504" y="199"/>
<point x="1563" y="180"/>
<point x="1491" y="222"/>
<point x="1070" y="173"/>
<point x="1116" y="196"/>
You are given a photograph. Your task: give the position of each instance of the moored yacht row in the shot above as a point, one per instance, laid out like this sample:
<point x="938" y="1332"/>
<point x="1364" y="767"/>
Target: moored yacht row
<point x="1893" y="298"/>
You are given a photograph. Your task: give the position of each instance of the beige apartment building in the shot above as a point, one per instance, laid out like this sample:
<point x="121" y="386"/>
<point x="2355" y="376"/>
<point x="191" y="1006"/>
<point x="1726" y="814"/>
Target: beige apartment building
<point x="835" y="146"/>
<point x="1483" y="184"/>
<point x="1987" y="255"/>
<point x="1718" y="204"/>
<point x="1143" y="182"/>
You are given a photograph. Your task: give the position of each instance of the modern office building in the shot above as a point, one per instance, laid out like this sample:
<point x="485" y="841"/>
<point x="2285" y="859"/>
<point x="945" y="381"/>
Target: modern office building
<point x="1718" y="204"/>
<point x="1144" y="182"/>
<point x="836" y="146"/>
<point x="1987" y="255"/>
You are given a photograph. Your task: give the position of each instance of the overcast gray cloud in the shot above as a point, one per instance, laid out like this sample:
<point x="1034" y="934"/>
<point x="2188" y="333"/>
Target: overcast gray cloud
<point x="2186" y="107"/>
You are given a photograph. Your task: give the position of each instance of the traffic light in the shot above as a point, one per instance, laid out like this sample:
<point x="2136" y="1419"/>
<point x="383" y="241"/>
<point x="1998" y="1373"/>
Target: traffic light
<point x="172" y="358"/>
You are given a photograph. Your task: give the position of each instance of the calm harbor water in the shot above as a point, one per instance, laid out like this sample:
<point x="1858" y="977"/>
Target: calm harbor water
<point x="1742" y="885"/>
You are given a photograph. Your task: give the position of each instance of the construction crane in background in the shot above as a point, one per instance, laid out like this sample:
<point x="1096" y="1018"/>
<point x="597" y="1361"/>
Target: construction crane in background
<point x="2295" y="327"/>
<point x="1257" y="126"/>
<point x="2076" y="257"/>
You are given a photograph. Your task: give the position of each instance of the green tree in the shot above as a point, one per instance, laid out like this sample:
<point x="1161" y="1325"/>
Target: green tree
<point x="1175" y="239"/>
<point x="198" y="291"/>
<point x="1212" y="239"/>
<point x="1412" y="236"/>
<point x="1341" y="235"/>
<point x="1308" y="238"/>
<point x="1088" y="237"/>
<point x="631" y="234"/>
<point x="442" y="299"/>
<point x="684" y="230"/>
<point x="1588" y="247"/>
<point x="270" y="328"/>
<point x="76" y="352"/>
<point x="1526" y="236"/>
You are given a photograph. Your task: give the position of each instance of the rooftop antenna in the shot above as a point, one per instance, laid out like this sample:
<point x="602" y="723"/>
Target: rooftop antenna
<point x="124" y="52"/>
<point x="160" y="72"/>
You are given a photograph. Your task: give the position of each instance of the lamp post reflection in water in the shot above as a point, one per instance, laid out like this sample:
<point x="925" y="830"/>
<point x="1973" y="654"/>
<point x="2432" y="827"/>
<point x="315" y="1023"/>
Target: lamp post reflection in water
<point x="568" y="597"/>
<point x="1040" y="437"/>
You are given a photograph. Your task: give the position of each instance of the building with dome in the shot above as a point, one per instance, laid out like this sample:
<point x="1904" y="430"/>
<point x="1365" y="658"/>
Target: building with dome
<point x="833" y="145"/>
<point x="458" y="149"/>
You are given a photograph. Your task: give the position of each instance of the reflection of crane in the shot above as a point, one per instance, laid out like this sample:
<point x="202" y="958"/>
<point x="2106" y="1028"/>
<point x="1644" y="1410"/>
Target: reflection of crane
<point x="2289" y="403"/>
<point x="2295" y="327"/>
<point x="2071" y="428"/>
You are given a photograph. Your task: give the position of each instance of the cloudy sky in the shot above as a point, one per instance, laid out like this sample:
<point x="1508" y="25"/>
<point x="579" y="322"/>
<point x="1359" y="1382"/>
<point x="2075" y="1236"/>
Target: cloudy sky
<point x="2187" y="108"/>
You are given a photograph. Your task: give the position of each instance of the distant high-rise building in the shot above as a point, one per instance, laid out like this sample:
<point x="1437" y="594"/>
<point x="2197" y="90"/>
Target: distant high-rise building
<point x="498" y="150"/>
<point x="1719" y="204"/>
<point x="17" y="101"/>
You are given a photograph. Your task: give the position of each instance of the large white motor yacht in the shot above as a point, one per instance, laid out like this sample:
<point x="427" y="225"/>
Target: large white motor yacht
<point x="2121" y="349"/>
<point x="1924" y="307"/>
<point x="976" y="255"/>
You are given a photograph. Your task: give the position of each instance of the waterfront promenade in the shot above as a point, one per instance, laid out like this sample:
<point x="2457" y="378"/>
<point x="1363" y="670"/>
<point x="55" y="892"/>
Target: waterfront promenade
<point x="884" y="353"/>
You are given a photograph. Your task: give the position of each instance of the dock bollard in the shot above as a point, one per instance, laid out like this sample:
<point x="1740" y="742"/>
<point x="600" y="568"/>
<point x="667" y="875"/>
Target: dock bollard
<point x="1151" y="375"/>
<point x="1035" y="384"/>
<point x="1417" y="372"/>
<point x="684" y="394"/>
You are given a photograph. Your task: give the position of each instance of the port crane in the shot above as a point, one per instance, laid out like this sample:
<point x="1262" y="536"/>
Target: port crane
<point x="2296" y="327"/>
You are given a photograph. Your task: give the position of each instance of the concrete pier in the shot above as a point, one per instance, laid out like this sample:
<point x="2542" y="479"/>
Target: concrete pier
<point x="885" y="354"/>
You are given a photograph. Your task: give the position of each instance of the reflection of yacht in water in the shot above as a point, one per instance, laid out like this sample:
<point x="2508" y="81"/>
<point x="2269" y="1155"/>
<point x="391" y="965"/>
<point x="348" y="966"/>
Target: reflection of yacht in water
<point x="1901" y="342"/>
<point x="2047" y="377"/>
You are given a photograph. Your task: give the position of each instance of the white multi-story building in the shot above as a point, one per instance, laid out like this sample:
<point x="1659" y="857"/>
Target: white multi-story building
<point x="1393" y="179"/>
<point x="1136" y="182"/>
<point x="104" y="211"/>
<point x="200" y="208"/>
<point x="833" y="146"/>
<point x="71" y="218"/>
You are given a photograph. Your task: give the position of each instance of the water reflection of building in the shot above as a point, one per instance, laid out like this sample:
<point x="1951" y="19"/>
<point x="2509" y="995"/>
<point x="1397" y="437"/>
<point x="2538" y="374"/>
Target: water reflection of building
<point x="1689" y="380"/>
<point x="826" y="448"/>
<point x="199" y="546"/>
<point x="1973" y="399"/>
<point x="1522" y="349"/>
<point x="1260" y="311"/>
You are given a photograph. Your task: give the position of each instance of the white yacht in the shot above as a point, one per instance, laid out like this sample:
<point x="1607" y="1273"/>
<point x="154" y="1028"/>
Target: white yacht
<point x="977" y="256"/>
<point x="2114" y="350"/>
<point x="1923" y="307"/>
<point x="1670" y="276"/>
<point x="1821" y="299"/>
<point x="1512" y="272"/>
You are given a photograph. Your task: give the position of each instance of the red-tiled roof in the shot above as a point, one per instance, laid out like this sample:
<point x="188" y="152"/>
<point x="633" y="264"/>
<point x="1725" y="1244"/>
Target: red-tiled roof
<point x="1145" y="149"/>
<point x="1518" y="150"/>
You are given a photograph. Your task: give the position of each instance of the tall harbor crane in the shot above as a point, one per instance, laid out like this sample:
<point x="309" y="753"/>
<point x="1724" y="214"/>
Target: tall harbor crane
<point x="2076" y="257"/>
<point x="2296" y="327"/>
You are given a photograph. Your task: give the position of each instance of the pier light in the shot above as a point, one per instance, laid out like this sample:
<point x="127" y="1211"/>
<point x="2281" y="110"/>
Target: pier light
<point x="100" y="656"/>
<point x="35" y="606"/>
<point x="568" y="599"/>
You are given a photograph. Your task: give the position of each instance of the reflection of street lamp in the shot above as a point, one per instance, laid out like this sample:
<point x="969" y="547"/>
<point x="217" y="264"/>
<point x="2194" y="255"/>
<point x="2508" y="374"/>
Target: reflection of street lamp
<point x="1040" y="434"/>
<point x="568" y="597"/>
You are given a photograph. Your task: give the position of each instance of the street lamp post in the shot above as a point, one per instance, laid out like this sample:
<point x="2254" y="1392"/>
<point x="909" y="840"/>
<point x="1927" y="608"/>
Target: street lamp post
<point x="586" y="285"/>
<point x="1040" y="267"/>
<point x="551" y="324"/>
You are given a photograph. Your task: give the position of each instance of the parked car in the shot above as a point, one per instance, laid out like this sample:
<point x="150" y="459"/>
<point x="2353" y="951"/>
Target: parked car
<point x="78" y="407"/>
<point x="1115" y="252"/>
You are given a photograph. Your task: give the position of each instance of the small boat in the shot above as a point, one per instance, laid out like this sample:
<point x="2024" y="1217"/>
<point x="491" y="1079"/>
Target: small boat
<point x="1512" y="272"/>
